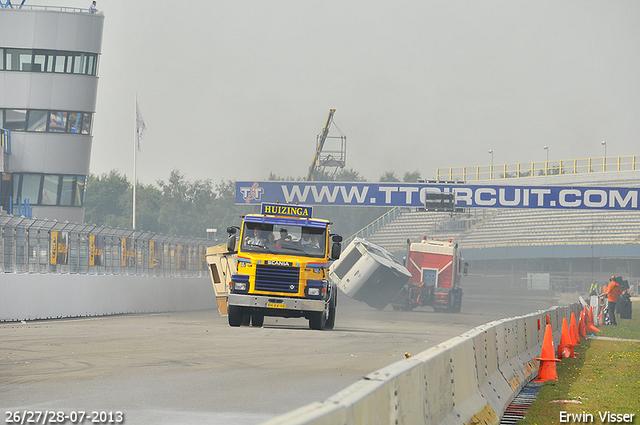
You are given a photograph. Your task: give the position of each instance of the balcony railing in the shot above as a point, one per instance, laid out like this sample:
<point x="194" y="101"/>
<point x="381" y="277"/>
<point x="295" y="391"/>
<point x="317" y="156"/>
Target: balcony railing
<point x="542" y="168"/>
<point x="17" y="6"/>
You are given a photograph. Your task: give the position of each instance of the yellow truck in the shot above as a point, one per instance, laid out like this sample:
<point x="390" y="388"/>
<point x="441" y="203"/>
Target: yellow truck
<point x="278" y="265"/>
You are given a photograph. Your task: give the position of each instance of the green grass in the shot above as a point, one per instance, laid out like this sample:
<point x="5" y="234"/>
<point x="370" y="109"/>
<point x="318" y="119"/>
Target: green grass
<point x="605" y="376"/>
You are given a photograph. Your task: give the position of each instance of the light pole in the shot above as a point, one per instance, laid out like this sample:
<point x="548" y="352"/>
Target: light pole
<point x="491" y="169"/>
<point x="604" y="160"/>
<point x="546" y="164"/>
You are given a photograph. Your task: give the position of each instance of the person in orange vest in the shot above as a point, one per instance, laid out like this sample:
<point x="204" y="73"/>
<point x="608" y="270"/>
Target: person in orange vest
<point x="612" y="291"/>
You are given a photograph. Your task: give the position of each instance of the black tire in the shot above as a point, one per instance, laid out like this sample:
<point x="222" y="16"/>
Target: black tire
<point x="331" y="320"/>
<point x="457" y="304"/>
<point x="317" y="320"/>
<point x="234" y="315"/>
<point x="257" y="320"/>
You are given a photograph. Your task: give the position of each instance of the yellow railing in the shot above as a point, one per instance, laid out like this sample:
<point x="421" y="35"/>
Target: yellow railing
<point x="543" y="168"/>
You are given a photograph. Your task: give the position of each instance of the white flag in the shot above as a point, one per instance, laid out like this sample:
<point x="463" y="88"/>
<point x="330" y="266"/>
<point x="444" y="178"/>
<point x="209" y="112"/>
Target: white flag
<point x="140" y="128"/>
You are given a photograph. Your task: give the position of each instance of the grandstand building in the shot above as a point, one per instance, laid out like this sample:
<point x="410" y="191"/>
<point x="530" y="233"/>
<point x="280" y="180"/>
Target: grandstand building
<point x="48" y="84"/>
<point x="506" y="246"/>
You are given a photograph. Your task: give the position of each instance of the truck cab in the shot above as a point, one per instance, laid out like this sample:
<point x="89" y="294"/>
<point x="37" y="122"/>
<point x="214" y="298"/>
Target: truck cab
<point x="436" y="268"/>
<point x="283" y="257"/>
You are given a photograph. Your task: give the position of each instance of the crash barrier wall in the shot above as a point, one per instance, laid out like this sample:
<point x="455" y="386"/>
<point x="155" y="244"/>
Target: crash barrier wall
<point x="36" y="296"/>
<point x="468" y="379"/>
<point x="53" y="247"/>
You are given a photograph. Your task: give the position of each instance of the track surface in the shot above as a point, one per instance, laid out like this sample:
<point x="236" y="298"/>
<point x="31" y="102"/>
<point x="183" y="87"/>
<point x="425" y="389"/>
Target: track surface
<point x="193" y="368"/>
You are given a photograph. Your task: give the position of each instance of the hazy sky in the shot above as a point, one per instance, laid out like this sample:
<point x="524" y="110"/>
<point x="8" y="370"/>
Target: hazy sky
<point x="237" y="89"/>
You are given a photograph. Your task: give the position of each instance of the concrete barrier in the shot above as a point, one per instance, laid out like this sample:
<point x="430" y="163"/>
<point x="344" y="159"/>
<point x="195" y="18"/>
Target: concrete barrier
<point x="36" y="296"/>
<point x="468" y="379"/>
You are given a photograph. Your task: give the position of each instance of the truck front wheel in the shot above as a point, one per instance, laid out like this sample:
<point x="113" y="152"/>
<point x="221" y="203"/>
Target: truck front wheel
<point x="317" y="320"/>
<point x="457" y="302"/>
<point x="257" y="320"/>
<point x="234" y="315"/>
<point x="331" y="320"/>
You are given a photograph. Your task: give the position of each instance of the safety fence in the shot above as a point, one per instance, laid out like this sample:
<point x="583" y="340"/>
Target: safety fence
<point x="52" y="247"/>
<point x="541" y="168"/>
<point x="470" y="379"/>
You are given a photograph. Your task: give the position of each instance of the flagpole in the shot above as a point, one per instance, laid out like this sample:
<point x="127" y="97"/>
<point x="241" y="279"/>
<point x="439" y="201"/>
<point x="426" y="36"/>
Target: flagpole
<point x="135" y="148"/>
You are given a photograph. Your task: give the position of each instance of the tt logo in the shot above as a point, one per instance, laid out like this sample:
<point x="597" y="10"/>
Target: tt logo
<point x="253" y="193"/>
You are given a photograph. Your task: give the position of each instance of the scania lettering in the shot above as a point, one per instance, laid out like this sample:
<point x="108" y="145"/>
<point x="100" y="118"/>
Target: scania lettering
<point x="283" y="257"/>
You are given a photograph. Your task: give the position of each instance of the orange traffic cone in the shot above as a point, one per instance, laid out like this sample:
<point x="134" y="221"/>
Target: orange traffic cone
<point x="547" y="370"/>
<point x="574" y="330"/>
<point x="582" y="327"/>
<point x="565" y="348"/>
<point x="590" y="325"/>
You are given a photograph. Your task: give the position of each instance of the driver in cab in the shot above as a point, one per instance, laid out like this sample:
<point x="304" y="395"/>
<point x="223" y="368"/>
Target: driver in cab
<point x="285" y="239"/>
<point x="308" y="239"/>
<point x="257" y="239"/>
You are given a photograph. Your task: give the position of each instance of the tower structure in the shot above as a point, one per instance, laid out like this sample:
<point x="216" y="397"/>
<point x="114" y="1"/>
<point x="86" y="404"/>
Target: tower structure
<point x="48" y="85"/>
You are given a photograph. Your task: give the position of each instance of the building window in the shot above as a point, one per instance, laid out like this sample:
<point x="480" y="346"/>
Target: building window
<point x="66" y="196"/>
<point x="51" y="59"/>
<point x="49" y="189"/>
<point x="37" y="120"/>
<point x="59" y="63"/>
<point x="15" y="119"/>
<point x="78" y="200"/>
<point x="39" y="62"/>
<point x="57" y="121"/>
<point x="75" y="122"/>
<point x="48" y="61"/>
<point x="17" y="60"/>
<point x="30" y="188"/>
<point x="86" y="123"/>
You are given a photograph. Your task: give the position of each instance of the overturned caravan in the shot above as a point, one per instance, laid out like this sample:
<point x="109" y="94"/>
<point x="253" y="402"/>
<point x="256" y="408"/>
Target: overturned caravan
<point x="367" y="272"/>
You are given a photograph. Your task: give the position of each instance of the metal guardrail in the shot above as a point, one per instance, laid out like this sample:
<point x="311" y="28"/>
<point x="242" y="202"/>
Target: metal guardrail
<point x="43" y="247"/>
<point x="542" y="168"/>
<point x="374" y="226"/>
<point x="11" y="6"/>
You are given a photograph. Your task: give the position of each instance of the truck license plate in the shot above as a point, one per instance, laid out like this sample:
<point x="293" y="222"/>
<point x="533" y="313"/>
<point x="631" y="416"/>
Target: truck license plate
<point x="275" y="305"/>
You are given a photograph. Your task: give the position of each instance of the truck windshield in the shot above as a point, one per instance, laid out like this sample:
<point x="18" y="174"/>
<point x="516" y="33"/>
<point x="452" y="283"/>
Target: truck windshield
<point x="284" y="240"/>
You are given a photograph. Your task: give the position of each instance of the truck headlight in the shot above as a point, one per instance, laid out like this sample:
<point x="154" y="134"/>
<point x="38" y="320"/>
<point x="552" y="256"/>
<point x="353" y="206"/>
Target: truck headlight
<point x="317" y="270"/>
<point x="240" y="286"/>
<point x="314" y="292"/>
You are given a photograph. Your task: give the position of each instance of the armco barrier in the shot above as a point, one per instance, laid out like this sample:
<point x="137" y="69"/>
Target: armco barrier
<point x="470" y="379"/>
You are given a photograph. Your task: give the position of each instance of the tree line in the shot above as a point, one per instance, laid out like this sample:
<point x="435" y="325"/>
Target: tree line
<point x="182" y="207"/>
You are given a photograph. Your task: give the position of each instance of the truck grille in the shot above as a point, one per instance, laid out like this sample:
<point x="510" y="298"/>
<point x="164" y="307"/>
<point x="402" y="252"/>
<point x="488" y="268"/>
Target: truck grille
<point x="277" y="278"/>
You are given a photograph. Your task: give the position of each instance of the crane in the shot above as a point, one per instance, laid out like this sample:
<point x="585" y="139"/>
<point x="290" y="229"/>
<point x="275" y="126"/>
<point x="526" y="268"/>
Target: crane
<point x="327" y="158"/>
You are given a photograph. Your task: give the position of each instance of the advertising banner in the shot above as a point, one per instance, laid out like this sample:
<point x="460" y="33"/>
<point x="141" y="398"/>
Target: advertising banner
<point x="155" y="254"/>
<point x="59" y="247"/>
<point x="96" y="250"/>
<point x="399" y="194"/>
<point x="127" y="253"/>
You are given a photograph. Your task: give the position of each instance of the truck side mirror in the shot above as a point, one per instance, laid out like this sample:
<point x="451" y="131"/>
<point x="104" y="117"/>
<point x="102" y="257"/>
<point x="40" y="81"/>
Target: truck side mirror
<point x="336" y="247"/>
<point x="465" y="270"/>
<point x="231" y="242"/>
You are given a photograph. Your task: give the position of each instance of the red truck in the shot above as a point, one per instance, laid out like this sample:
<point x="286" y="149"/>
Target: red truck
<point x="436" y="267"/>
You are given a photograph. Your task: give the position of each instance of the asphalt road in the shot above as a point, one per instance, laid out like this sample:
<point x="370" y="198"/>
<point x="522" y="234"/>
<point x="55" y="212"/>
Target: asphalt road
<point x="192" y="368"/>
